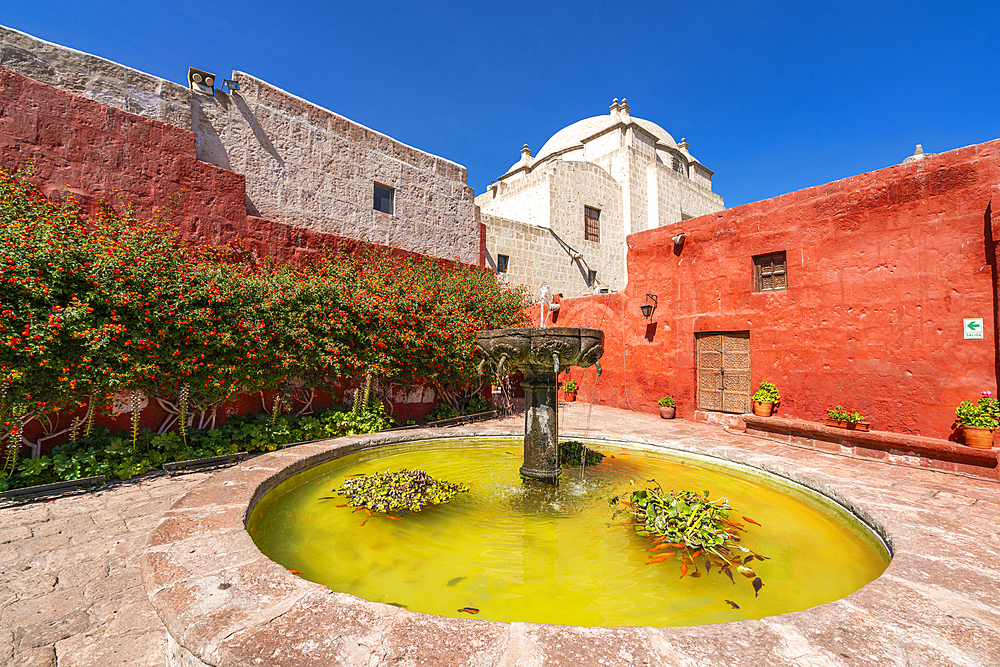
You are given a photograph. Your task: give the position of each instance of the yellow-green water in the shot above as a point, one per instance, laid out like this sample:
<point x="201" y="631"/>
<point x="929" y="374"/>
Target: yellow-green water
<point x="520" y="553"/>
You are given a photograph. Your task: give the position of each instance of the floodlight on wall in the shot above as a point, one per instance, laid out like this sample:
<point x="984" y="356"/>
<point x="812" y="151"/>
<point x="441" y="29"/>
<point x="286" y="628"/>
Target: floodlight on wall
<point x="201" y="81"/>
<point x="648" y="308"/>
<point x="230" y="85"/>
<point x="679" y="239"/>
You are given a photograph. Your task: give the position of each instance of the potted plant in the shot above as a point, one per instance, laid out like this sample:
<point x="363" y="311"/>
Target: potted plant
<point x="765" y="398"/>
<point x="841" y="418"/>
<point x="979" y="420"/>
<point x="667" y="407"/>
<point x="569" y="390"/>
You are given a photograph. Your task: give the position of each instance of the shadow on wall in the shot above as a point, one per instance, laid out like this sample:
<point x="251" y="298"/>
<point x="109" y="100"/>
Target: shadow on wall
<point x="991" y="258"/>
<point x="207" y="139"/>
<point x="258" y="131"/>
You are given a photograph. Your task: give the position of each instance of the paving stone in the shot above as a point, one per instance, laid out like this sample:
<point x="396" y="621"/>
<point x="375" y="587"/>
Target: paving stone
<point x="42" y="545"/>
<point x="97" y="650"/>
<point x="82" y="573"/>
<point x="62" y="526"/>
<point x="14" y="533"/>
<point x="43" y="656"/>
<point x="49" y="632"/>
<point x="48" y="607"/>
<point x="30" y="582"/>
<point x="6" y="646"/>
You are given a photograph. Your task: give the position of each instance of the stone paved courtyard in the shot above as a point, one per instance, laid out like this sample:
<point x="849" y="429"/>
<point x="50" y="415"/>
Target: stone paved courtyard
<point x="70" y="585"/>
<point x="71" y="589"/>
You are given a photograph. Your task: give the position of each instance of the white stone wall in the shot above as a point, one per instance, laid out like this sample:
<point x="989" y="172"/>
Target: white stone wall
<point x="304" y="166"/>
<point x="309" y="167"/>
<point x="95" y="78"/>
<point x="527" y="199"/>
<point x="535" y="251"/>
<point x="604" y="144"/>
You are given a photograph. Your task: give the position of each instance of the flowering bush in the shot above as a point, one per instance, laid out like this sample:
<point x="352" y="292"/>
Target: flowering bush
<point x="666" y="402"/>
<point x="89" y="307"/>
<point x="984" y="414"/>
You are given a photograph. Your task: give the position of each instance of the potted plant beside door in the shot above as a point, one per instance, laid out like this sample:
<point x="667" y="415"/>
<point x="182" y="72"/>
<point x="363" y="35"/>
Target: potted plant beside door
<point x="667" y="407"/>
<point x="979" y="420"/>
<point x="765" y="399"/>
<point x="569" y="391"/>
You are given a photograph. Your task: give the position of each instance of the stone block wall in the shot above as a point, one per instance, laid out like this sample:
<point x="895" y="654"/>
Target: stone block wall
<point x="305" y="167"/>
<point x="311" y="168"/>
<point x="88" y="150"/>
<point x="96" y="78"/>
<point x="527" y="198"/>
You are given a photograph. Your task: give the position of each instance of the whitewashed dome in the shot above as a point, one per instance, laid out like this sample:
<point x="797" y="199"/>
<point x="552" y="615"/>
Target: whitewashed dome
<point x="574" y="135"/>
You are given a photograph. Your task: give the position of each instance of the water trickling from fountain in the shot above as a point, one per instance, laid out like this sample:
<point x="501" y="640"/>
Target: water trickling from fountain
<point x="540" y="354"/>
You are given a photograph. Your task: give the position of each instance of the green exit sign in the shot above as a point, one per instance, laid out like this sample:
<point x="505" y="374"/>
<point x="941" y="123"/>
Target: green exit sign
<point x="973" y="327"/>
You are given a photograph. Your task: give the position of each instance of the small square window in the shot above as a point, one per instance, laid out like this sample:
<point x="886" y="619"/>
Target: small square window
<point x="770" y="272"/>
<point x="591" y="224"/>
<point x="383" y="198"/>
<point x="502" y="263"/>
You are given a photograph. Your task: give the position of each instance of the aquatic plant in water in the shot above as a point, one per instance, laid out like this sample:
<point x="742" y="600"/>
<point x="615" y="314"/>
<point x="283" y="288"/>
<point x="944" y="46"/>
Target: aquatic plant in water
<point x="572" y="453"/>
<point x="698" y="530"/>
<point x="402" y="490"/>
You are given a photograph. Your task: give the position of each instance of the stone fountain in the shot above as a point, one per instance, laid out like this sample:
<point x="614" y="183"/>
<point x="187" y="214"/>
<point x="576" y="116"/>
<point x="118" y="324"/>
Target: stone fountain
<point x="540" y="354"/>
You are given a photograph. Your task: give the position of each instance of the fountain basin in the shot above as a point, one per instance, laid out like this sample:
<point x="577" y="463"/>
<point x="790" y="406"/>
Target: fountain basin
<point x="223" y="602"/>
<point x="513" y="552"/>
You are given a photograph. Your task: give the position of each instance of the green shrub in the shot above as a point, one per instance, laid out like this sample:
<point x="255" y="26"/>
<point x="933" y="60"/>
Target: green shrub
<point x="984" y="414"/>
<point x="767" y="393"/>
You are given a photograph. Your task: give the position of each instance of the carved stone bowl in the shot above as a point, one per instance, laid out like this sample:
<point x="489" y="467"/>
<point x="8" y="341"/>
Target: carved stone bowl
<point x="532" y="350"/>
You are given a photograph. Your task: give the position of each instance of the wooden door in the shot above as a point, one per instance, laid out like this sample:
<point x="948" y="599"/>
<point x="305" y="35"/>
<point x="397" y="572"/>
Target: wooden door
<point x="724" y="371"/>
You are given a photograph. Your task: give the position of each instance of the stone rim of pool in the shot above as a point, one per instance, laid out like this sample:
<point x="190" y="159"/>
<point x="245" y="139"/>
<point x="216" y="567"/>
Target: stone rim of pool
<point x="223" y="602"/>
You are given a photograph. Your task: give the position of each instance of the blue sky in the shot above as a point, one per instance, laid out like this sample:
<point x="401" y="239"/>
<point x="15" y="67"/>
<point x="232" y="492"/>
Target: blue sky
<point x="772" y="96"/>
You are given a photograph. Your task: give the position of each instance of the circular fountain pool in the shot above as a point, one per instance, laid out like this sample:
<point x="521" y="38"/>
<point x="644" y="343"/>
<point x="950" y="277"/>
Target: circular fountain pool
<point x="517" y="552"/>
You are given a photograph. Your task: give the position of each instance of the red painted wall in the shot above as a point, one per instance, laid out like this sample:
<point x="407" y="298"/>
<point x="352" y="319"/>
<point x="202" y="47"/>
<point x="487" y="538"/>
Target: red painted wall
<point x="882" y="269"/>
<point x="94" y="152"/>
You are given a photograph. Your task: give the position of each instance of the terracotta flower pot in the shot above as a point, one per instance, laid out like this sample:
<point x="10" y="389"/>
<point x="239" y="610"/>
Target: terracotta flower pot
<point x="976" y="436"/>
<point x="569" y="395"/>
<point x="850" y="426"/>
<point x="667" y="412"/>
<point x="763" y="408"/>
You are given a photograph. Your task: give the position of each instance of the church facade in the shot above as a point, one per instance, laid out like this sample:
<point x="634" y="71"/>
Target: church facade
<point x="562" y="216"/>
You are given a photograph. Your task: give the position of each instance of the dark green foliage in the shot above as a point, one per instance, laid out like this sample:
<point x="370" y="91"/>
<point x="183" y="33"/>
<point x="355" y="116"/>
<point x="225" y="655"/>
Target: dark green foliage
<point x="403" y="490"/>
<point x="473" y="406"/>
<point x="572" y="452"/>
<point x="113" y="454"/>
<point x="698" y="529"/>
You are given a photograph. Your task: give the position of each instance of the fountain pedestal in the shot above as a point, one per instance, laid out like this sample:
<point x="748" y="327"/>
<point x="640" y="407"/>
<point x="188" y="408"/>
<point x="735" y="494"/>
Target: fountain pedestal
<point x="540" y="354"/>
<point x="541" y="429"/>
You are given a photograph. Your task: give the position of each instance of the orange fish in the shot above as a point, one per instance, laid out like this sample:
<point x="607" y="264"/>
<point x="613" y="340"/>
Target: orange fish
<point x="344" y="505"/>
<point x="696" y="554"/>
<point x="363" y="522"/>
<point x="469" y="610"/>
<point x="298" y="572"/>
<point x="684" y="570"/>
<point x="661" y="547"/>
<point x="658" y="559"/>
<point x="368" y="512"/>
<point x="752" y="521"/>
<point x="394" y="518"/>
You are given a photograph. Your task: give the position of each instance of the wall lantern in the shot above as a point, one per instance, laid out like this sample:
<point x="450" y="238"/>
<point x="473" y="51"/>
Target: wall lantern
<point x="201" y="81"/>
<point x="231" y="85"/>
<point x="647" y="308"/>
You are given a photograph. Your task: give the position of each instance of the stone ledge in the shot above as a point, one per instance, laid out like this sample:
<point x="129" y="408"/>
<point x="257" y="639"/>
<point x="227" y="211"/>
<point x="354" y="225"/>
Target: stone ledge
<point x="899" y="448"/>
